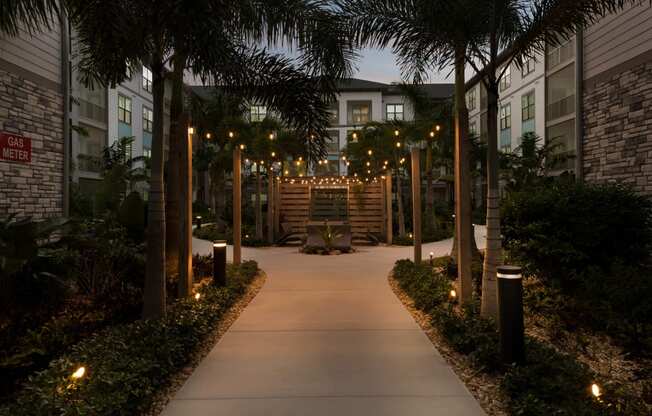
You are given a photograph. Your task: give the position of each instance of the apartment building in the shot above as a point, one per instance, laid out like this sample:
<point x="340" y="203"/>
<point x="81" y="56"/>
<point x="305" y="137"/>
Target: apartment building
<point x="592" y="96"/>
<point x="33" y="114"/>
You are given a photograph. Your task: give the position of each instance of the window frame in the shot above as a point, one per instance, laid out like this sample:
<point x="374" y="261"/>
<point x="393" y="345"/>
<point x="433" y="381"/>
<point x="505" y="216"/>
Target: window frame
<point x="147" y="79"/>
<point x="506" y="80"/>
<point x="125" y="109"/>
<point x="356" y="107"/>
<point x="471" y="99"/>
<point x="395" y="113"/>
<point x="147" y="122"/>
<point x="505" y="116"/>
<point x="255" y="116"/>
<point x="528" y="106"/>
<point x="528" y="67"/>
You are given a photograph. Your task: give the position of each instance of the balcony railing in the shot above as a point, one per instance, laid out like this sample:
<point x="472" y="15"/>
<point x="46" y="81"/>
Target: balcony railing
<point x="560" y="55"/>
<point x="92" y="111"/>
<point x="89" y="163"/>
<point x="561" y="107"/>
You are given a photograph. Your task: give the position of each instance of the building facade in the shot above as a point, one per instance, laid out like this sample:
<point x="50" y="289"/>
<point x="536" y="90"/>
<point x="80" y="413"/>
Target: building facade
<point x="32" y="123"/>
<point x="592" y="97"/>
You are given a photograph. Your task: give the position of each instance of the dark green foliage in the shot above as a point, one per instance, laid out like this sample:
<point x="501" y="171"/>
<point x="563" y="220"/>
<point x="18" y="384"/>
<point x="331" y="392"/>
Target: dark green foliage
<point x="428" y="289"/>
<point x="127" y="365"/>
<point x="132" y="216"/>
<point x="556" y="232"/>
<point x="593" y="243"/>
<point x="211" y="232"/>
<point x="548" y="383"/>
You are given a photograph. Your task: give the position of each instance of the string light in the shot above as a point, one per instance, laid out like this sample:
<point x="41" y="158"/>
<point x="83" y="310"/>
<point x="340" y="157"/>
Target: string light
<point x="271" y="136"/>
<point x="208" y="136"/>
<point x="398" y="144"/>
<point x="191" y="130"/>
<point x="343" y="157"/>
<point x="396" y="133"/>
<point x="368" y="163"/>
<point x="231" y="134"/>
<point x="402" y="161"/>
<point x="354" y="136"/>
<point x="287" y="172"/>
<point x="432" y="134"/>
<point x="348" y="163"/>
<point x="242" y="147"/>
<point x="370" y="152"/>
<point x="197" y="296"/>
<point x="595" y="390"/>
<point x="453" y="294"/>
<point x="437" y="127"/>
<point x="273" y="154"/>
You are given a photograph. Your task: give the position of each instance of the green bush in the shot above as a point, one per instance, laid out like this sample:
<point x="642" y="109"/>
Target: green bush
<point x="558" y="231"/>
<point x="128" y="364"/>
<point x="210" y="232"/>
<point x="548" y="383"/>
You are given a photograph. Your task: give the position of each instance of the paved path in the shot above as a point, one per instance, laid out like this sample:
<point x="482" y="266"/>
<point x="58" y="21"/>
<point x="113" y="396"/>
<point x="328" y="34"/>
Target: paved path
<point x="325" y="336"/>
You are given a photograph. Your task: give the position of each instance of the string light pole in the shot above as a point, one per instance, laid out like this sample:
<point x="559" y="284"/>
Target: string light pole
<point x="185" y="208"/>
<point x="237" y="201"/>
<point x="415" y="152"/>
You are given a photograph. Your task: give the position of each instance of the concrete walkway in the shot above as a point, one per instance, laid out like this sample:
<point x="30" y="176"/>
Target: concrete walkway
<point x="325" y="336"/>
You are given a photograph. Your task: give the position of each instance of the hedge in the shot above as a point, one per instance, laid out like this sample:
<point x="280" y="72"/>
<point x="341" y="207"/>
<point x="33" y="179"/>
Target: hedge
<point x="127" y="365"/>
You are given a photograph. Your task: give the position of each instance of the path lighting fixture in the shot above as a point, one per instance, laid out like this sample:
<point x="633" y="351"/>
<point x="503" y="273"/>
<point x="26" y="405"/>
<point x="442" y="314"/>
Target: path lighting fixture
<point x="219" y="263"/>
<point x="197" y="296"/>
<point x="432" y="255"/>
<point x="79" y="373"/>
<point x="231" y="134"/>
<point x="595" y="391"/>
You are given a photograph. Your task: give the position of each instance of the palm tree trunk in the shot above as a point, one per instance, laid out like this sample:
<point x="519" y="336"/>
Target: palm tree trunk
<point x="430" y="200"/>
<point x="399" y="202"/>
<point x="154" y="292"/>
<point x="172" y="214"/>
<point x="259" y="208"/>
<point x="463" y="229"/>
<point x="493" y="252"/>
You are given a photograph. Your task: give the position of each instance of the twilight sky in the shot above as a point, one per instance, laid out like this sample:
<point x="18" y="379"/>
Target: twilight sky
<point x="379" y="65"/>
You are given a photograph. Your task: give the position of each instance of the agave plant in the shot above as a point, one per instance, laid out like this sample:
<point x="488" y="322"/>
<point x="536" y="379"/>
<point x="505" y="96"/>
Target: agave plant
<point x="329" y="236"/>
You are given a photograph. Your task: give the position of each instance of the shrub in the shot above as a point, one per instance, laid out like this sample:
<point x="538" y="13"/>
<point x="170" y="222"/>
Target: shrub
<point x="560" y="230"/>
<point x="128" y="364"/>
<point x="211" y="232"/>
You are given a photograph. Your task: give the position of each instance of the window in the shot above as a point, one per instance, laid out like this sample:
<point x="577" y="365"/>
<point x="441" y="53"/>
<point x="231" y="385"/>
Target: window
<point x="394" y="112"/>
<point x="147" y="152"/>
<point x="528" y="67"/>
<point x="147" y="79"/>
<point x="258" y="113"/>
<point x="527" y="106"/>
<point x="334" y="113"/>
<point x="560" y="93"/>
<point x="561" y="54"/>
<point x="470" y="99"/>
<point x="506" y="80"/>
<point x="148" y="119"/>
<point x="124" y="109"/>
<point x="359" y="112"/>
<point x="128" y="151"/>
<point x="505" y="116"/>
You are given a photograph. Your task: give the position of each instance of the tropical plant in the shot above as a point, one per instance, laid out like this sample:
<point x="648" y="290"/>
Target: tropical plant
<point x="429" y="35"/>
<point x="117" y="36"/>
<point x="30" y="15"/>
<point x="519" y="30"/>
<point x="377" y="150"/>
<point x="329" y="235"/>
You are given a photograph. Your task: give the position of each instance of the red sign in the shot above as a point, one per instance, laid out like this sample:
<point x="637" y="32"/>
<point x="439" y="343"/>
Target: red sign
<point x="15" y="148"/>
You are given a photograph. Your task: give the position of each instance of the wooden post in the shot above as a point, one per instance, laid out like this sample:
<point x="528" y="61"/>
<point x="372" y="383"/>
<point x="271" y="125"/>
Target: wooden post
<point x="237" y="206"/>
<point x="185" y="208"/>
<point x="270" y="204"/>
<point x="416" y="203"/>
<point x="388" y="207"/>
<point x="277" y="207"/>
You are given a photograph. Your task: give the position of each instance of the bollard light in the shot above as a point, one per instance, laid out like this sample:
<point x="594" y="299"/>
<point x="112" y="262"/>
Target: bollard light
<point x="510" y="314"/>
<point x="198" y="221"/>
<point x="219" y="263"/>
<point x="432" y="255"/>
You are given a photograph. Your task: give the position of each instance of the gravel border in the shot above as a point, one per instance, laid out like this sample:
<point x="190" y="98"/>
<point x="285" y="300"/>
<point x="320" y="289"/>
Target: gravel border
<point x="484" y="387"/>
<point x="228" y="318"/>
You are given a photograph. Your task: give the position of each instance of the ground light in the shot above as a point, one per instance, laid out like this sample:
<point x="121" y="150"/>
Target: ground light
<point x="595" y="391"/>
<point x="79" y="373"/>
<point x="231" y="134"/>
<point x="197" y="296"/>
<point x="453" y="294"/>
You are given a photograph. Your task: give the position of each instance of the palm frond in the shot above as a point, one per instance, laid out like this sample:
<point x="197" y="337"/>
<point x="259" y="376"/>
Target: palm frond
<point x="28" y="15"/>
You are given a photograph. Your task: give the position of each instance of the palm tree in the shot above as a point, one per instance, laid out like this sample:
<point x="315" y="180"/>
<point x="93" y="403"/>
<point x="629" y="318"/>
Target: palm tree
<point x="120" y="35"/>
<point x="519" y="32"/>
<point x="426" y="35"/>
<point x="388" y="156"/>
<point x="30" y="15"/>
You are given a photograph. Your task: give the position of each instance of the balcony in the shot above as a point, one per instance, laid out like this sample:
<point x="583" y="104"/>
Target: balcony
<point x="561" y="108"/>
<point x="89" y="163"/>
<point x="92" y="111"/>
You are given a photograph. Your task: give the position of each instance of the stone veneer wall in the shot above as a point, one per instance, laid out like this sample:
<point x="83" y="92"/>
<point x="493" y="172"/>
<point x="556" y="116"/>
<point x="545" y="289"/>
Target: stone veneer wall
<point x="617" y="142"/>
<point x="27" y="109"/>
